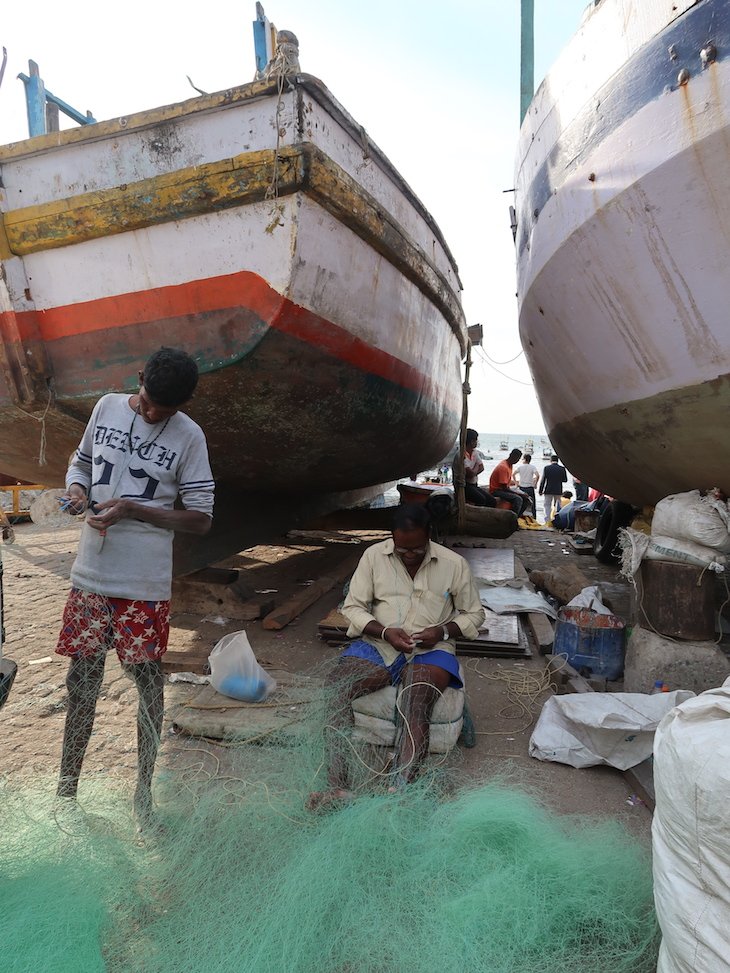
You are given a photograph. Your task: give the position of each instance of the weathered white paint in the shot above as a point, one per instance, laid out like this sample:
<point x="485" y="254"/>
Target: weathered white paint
<point x="613" y="32"/>
<point x="624" y="289"/>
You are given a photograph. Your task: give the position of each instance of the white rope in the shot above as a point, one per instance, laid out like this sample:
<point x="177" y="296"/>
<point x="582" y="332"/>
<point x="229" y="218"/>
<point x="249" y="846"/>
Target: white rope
<point x="42" y="420"/>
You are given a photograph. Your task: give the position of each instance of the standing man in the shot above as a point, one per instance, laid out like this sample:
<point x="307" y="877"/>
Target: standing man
<point x="138" y="454"/>
<point x="409" y="598"/>
<point x="527" y="478"/>
<point x="473" y="466"/>
<point x="551" y="486"/>
<point x="501" y="480"/>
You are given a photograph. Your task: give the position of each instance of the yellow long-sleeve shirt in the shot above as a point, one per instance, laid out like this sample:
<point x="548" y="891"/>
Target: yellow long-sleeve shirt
<point x="382" y="590"/>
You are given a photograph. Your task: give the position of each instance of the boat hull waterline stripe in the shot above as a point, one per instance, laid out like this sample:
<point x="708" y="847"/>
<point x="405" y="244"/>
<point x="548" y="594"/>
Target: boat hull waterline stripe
<point x="228" y="292"/>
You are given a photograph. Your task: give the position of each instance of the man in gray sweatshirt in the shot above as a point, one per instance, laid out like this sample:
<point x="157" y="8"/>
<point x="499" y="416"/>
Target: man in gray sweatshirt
<point x="138" y="454"/>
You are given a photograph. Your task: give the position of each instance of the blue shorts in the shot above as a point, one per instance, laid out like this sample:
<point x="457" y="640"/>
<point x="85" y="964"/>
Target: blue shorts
<point x="436" y="657"/>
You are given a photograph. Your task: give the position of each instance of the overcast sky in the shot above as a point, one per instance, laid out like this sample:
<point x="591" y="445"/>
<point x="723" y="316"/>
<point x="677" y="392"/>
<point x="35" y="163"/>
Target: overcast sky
<point x="436" y="84"/>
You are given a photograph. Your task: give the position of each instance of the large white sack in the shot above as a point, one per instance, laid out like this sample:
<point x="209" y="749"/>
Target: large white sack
<point x="637" y="547"/>
<point x="691" y="835"/>
<point x="704" y="520"/>
<point x="586" y="729"/>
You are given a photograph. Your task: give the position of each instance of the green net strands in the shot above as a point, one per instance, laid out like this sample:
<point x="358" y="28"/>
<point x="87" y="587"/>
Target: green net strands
<point x="245" y="880"/>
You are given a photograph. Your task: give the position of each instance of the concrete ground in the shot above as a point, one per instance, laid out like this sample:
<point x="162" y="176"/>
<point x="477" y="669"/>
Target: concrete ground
<point x="35" y="586"/>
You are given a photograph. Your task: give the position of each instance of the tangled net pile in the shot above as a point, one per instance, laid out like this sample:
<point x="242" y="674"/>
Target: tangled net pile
<point x="244" y="879"/>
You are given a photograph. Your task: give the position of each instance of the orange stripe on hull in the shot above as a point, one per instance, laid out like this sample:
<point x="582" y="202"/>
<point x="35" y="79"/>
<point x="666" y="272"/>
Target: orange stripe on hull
<point x="240" y="290"/>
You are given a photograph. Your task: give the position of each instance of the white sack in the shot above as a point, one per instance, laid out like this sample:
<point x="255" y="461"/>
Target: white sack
<point x="586" y="729"/>
<point x="691" y="836"/>
<point x="636" y="547"/>
<point x="684" y="552"/>
<point x="690" y="517"/>
<point x="375" y="718"/>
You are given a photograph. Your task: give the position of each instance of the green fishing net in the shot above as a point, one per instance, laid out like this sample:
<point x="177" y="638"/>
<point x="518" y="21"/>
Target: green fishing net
<point x="440" y="876"/>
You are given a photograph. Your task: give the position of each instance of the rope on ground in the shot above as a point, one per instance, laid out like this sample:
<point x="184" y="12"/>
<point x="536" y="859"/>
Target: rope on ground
<point x="523" y="688"/>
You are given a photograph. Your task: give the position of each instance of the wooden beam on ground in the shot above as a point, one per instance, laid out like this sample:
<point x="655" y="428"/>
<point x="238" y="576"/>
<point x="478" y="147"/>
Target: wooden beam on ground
<point x="195" y="661"/>
<point x="302" y="600"/>
<point x="541" y="627"/>
<point x="229" y="600"/>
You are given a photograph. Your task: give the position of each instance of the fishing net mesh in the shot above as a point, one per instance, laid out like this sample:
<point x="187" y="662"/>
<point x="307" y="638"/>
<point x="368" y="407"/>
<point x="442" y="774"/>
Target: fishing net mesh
<point x="239" y="876"/>
<point x="441" y="875"/>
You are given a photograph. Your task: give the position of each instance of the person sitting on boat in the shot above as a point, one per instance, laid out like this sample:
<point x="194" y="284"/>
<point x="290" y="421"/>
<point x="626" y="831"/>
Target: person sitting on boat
<point x="501" y="484"/>
<point x="408" y="600"/>
<point x="527" y="478"/>
<point x="473" y="466"/>
<point x="551" y="486"/>
<point x="137" y="455"/>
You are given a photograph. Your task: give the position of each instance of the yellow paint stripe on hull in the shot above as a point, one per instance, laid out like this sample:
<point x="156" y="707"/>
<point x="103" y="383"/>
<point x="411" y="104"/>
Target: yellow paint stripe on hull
<point x="239" y="181"/>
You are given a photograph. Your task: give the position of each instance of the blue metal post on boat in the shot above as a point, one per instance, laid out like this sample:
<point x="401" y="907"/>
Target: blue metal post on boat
<point x="527" y="55"/>
<point x="263" y="39"/>
<point x="36" y="98"/>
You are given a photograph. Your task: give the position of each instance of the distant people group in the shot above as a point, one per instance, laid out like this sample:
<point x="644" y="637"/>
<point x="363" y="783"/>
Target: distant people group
<point x="517" y="485"/>
<point x="502" y="482"/>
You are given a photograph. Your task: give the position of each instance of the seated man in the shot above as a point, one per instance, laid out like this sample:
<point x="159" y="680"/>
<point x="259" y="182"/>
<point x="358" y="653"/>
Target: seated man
<point x="501" y="481"/>
<point x="473" y="466"/>
<point x="409" y="599"/>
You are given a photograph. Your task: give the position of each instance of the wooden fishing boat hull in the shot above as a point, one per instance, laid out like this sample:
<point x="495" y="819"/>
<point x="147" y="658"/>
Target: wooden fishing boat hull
<point x="623" y="197"/>
<point x="312" y="287"/>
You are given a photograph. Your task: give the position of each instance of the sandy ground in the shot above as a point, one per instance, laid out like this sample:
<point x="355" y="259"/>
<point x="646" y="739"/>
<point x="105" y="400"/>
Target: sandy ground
<point x="35" y="585"/>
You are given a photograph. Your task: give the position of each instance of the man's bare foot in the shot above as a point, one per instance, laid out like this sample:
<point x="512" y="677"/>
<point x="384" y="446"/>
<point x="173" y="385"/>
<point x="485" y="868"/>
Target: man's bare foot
<point x="400" y="782"/>
<point x="325" y="800"/>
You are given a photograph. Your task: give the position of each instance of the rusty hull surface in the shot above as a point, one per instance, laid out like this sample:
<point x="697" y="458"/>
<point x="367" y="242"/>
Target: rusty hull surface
<point x="645" y="450"/>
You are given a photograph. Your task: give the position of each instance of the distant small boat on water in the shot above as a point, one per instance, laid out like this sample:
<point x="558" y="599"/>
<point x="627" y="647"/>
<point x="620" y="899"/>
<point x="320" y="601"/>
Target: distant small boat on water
<point x="504" y="444"/>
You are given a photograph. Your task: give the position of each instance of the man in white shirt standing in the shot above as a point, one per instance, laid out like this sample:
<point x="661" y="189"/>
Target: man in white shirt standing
<point x="138" y="453"/>
<point x="408" y="600"/>
<point x="527" y="478"/>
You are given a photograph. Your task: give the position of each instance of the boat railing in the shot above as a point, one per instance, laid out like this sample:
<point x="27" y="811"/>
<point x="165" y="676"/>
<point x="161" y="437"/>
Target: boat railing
<point x="43" y="106"/>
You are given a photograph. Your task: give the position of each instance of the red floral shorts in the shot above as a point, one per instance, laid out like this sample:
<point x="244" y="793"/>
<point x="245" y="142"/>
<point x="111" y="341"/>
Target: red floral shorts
<point x="93" y="624"/>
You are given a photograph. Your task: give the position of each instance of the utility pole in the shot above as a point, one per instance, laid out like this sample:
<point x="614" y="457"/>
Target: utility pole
<point x="527" y="55"/>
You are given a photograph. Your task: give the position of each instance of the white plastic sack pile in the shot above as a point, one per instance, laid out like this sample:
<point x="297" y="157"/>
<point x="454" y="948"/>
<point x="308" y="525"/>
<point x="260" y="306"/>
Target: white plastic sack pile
<point x="636" y="547"/>
<point x="586" y="729"/>
<point x="690" y="517"/>
<point x="375" y="718"/>
<point x="235" y="672"/>
<point x="691" y="836"/>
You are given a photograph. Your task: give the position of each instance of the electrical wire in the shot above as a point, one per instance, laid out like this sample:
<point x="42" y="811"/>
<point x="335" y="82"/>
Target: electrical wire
<point x="509" y="360"/>
<point x="486" y="361"/>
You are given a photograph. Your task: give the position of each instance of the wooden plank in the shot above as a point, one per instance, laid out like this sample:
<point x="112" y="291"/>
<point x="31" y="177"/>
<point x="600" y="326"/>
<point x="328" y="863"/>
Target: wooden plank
<point x="202" y="598"/>
<point x="196" y="661"/>
<point x="641" y="779"/>
<point x="542" y="631"/>
<point x="541" y="627"/>
<point x="303" y="599"/>
<point x="579" y="548"/>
